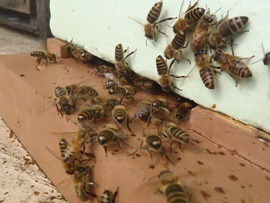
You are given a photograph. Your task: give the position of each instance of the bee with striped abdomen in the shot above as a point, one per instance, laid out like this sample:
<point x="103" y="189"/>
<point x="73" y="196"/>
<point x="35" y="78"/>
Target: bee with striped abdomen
<point x="146" y="84"/>
<point x="120" y="115"/>
<point x="225" y="29"/>
<point x="45" y="55"/>
<point x="109" y="134"/>
<point x="143" y="111"/>
<point x="96" y="112"/>
<point x="81" y="90"/>
<point x="165" y="81"/>
<point x="233" y="65"/>
<point x="108" y="197"/>
<point x="120" y="64"/>
<point x="191" y="18"/>
<point x="172" y="188"/>
<point x="172" y="132"/>
<point x="126" y="91"/>
<point x="64" y="103"/>
<point x="183" y="110"/>
<point x="160" y="102"/>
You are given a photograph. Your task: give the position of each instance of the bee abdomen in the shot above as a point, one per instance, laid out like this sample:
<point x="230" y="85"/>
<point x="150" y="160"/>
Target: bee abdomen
<point x="207" y="77"/>
<point x="105" y="137"/>
<point x="154" y="13"/>
<point x="182" y="110"/>
<point x="179" y="40"/>
<point x="240" y="69"/>
<point x="60" y="91"/>
<point x="195" y="14"/>
<point x="154" y="141"/>
<point x="116" y="90"/>
<point x="119" y="54"/>
<point x="233" y="25"/>
<point x="179" y="134"/>
<point x="176" y="194"/>
<point x="86" y="115"/>
<point x="38" y="53"/>
<point x="161" y="65"/>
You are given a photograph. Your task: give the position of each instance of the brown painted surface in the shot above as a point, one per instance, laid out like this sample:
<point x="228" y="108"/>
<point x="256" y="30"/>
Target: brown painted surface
<point x="221" y="148"/>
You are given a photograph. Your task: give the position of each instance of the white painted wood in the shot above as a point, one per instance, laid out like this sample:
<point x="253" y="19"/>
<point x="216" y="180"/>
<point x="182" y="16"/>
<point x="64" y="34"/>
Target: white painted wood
<point x="101" y="25"/>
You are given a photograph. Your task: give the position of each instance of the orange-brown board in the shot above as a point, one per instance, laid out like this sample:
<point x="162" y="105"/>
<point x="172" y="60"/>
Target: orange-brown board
<point x="210" y="169"/>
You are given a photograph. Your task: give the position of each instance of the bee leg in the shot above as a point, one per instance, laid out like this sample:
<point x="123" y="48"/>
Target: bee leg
<point x="89" y="194"/>
<point x="115" y="195"/>
<point x="146" y="148"/>
<point x="180" y="147"/>
<point x="105" y="149"/>
<point x="132" y="134"/>
<point x="90" y="156"/>
<point x="130" y="54"/>
<point x="184" y="57"/>
<point x="137" y="149"/>
<point x="125" y="143"/>
<point x="120" y="145"/>
<point x="171" y="147"/>
<point x="38" y="60"/>
<point x="46" y="61"/>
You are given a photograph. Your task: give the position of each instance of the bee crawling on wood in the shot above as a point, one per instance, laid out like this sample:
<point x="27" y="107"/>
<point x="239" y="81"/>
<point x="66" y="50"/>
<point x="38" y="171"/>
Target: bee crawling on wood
<point x="45" y="55"/>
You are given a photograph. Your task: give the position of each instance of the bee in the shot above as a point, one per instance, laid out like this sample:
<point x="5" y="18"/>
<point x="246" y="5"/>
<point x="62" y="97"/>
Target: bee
<point x="45" y="55"/>
<point x="109" y="134"/>
<point x="143" y="111"/>
<point x="172" y="187"/>
<point x="233" y="65"/>
<point x="120" y="64"/>
<point x="105" y="101"/>
<point x="173" y="49"/>
<point x="108" y="84"/>
<point x="108" y="196"/>
<point x="172" y="132"/>
<point x="120" y="115"/>
<point x="64" y="103"/>
<point x="152" y="143"/>
<point x="69" y="150"/>
<point x="207" y="71"/>
<point x="266" y="59"/>
<point x="81" y="90"/>
<point x="126" y="91"/>
<point x="191" y="18"/>
<point x="86" y="57"/>
<point x="92" y="113"/>
<point x="225" y="29"/>
<point x="165" y="81"/>
<point x="81" y="181"/>
<point x="102" y="69"/>
<point x="161" y="103"/>
<point x="86" y="134"/>
<point x="146" y="84"/>
<point x="203" y="28"/>
<point x="77" y="51"/>
<point x="183" y="110"/>
<point x="160" y="114"/>
<point x="151" y="28"/>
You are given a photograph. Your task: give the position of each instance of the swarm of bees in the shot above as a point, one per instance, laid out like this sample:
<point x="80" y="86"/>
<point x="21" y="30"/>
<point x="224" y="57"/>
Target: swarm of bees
<point x="204" y="33"/>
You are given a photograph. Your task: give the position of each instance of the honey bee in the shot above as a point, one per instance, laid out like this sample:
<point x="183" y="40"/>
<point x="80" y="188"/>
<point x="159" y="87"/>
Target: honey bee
<point x="266" y="59"/>
<point x="120" y="64"/>
<point x="102" y="69"/>
<point x="173" y="49"/>
<point x="105" y="101"/>
<point x="126" y="91"/>
<point x="64" y="103"/>
<point x="108" y="84"/>
<point x="172" y="187"/>
<point x="109" y="134"/>
<point x="77" y="51"/>
<point x="81" y="181"/>
<point x="151" y="28"/>
<point x="143" y="111"/>
<point x="183" y="110"/>
<point x="233" y="65"/>
<point x="81" y="90"/>
<point x="161" y="103"/>
<point x="203" y="28"/>
<point x="207" y="71"/>
<point x="86" y="134"/>
<point x="120" y="115"/>
<point x="86" y="57"/>
<point x="45" y="55"/>
<point x="172" y="132"/>
<point x="69" y="150"/>
<point x="225" y="29"/>
<point x="165" y="81"/>
<point x="191" y="18"/>
<point x="160" y="114"/>
<point x="152" y="143"/>
<point x="95" y="112"/>
<point x="118" y="77"/>
<point x="146" y="84"/>
<point x="108" y="196"/>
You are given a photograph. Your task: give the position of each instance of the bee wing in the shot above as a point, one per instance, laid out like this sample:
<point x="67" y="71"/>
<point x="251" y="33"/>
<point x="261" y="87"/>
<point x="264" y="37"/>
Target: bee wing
<point x="87" y="82"/>
<point x="111" y="76"/>
<point x="189" y="77"/>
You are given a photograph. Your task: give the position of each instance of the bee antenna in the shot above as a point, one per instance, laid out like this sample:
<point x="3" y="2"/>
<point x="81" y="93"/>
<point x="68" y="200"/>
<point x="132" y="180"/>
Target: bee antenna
<point x="256" y="61"/>
<point x="177" y="88"/>
<point x="217" y="10"/>
<point x="153" y="177"/>
<point x="263" y="49"/>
